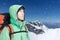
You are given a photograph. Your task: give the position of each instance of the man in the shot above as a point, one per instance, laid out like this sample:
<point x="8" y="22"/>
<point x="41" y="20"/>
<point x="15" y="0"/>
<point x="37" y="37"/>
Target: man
<point x="17" y="19"/>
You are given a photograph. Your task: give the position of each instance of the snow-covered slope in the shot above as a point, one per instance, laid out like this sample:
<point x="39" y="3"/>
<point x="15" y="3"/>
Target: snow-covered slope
<point x="51" y="34"/>
<point x="38" y="31"/>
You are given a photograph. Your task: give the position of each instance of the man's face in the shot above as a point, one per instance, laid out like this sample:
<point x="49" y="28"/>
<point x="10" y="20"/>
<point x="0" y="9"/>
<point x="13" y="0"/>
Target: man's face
<point x="21" y="14"/>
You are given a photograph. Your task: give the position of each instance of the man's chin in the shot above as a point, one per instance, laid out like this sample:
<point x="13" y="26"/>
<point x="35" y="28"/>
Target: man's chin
<point x="21" y="19"/>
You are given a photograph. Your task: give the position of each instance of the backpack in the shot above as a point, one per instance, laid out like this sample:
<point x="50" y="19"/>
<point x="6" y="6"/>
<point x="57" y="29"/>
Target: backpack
<point x="5" y="21"/>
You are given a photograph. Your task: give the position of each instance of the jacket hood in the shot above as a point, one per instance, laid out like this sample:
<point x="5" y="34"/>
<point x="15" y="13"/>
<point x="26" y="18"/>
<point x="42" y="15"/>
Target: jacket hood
<point x="13" y="16"/>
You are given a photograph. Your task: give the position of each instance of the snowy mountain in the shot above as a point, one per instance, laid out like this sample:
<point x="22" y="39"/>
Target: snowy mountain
<point x="36" y="27"/>
<point x="38" y="31"/>
<point x="52" y="25"/>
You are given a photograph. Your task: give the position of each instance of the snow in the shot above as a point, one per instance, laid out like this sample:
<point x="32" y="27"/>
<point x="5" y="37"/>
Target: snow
<point x="50" y="34"/>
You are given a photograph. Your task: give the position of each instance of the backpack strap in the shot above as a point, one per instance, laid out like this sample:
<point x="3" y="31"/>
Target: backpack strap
<point x="11" y="30"/>
<point x="0" y="29"/>
<point x="19" y="31"/>
<point x="25" y="28"/>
